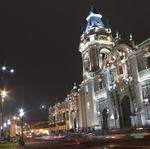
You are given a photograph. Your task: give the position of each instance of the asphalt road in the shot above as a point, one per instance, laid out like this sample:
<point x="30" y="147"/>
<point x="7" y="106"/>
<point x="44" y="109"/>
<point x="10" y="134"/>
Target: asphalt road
<point x="124" y="144"/>
<point x="58" y="146"/>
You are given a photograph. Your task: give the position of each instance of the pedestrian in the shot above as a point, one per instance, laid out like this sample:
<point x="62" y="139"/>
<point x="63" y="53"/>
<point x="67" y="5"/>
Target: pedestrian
<point x="19" y="141"/>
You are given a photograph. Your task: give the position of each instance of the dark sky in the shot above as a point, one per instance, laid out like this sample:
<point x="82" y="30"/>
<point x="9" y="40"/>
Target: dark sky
<point x="40" y="39"/>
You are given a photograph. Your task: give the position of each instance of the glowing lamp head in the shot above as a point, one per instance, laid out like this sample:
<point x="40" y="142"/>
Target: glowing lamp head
<point x="3" y="68"/>
<point x="21" y="112"/>
<point x="3" y="93"/>
<point x="14" y="118"/>
<point x="5" y="125"/>
<point x="43" y="106"/>
<point x="8" y="122"/>
<point x="98" y="112"/>
<point x="12" y="70"/>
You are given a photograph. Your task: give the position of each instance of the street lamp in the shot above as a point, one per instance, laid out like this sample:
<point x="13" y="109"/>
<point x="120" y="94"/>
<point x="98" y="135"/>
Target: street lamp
<point x="21" y="114"/>
<point x="14" y="118"/>
<point x="3" y="68"/>
<point x="12" y="70"/>
<point x="43" y="106"/>
<point x="99" y="113"/>
<point x="3" y="94"/>
<point x="5" y="124"/>
<point x="8" y="69"/>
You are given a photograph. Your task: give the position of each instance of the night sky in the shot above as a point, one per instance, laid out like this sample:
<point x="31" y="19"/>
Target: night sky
<point x="40" y="39"/>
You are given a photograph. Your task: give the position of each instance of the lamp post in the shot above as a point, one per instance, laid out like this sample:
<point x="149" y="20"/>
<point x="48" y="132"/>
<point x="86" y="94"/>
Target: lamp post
<point x="100" y="118"/>
<point x="3" y="69"/>
<point x="8" y="69"/>
<point x="21" y="114"/>
<point x="8" y="123"/>
<point x="3" y="94"/>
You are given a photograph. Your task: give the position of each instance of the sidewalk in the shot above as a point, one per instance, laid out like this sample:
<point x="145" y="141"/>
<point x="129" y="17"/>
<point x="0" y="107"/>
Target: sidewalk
<point x="137" y="133"/>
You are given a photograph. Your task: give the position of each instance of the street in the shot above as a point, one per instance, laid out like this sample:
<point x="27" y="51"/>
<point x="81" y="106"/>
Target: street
<point x="93" y="144"/>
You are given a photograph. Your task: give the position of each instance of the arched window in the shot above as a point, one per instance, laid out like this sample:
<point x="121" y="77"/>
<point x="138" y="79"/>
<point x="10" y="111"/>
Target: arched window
<point x="93" y="53"/>
<point x="86" y="65"/>
<point x="120" y="70"/>
<point x="103" y="56"/>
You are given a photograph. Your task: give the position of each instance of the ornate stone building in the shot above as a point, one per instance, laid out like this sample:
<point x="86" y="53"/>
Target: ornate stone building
<point x="63" y="116"/>
<point x="115" y="91"/>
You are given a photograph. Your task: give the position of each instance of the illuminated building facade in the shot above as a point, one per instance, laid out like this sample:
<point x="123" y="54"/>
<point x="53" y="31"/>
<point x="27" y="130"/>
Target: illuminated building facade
<point x="115" y="91"/>
<point x="63" y="116"/>
<point x="36" y="128"/>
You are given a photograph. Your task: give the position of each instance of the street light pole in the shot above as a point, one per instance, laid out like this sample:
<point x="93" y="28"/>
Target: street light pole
<point x="21" y="114"/>
<point x="22" y="140"/>
<point x="3" y="69"/>
<point x="99" y="112"/>
<point x="2" y="126"/>
<point x="3" y="94"/>
<point x="9" y="127"/>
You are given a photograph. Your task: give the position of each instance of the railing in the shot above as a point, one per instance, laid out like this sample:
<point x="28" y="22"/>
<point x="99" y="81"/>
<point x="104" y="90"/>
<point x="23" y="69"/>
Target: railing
<point x="144" y="74"/>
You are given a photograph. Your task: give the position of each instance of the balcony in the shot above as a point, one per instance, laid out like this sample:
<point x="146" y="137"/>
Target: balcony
<point x="144" y="75"/>
<point x="61" y="122"/>
<point x="100" y="94"/>
<point x="52" y="124"/>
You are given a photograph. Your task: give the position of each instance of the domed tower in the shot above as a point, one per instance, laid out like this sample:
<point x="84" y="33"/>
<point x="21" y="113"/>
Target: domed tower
<point x="95" y="47"/>
<point x="96" y="43"/>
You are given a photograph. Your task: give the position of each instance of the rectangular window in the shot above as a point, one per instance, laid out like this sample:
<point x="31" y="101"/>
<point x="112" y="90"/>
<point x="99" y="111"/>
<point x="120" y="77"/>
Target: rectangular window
<point x="92" y="37"/>
<point x="148" y="62"/>
<point x="98" y="84"/>
<point x="146" y="91"/>
<point x="86" y="89"/>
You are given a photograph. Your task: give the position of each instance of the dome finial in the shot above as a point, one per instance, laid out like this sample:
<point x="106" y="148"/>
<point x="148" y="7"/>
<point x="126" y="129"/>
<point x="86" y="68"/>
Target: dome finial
<point x="75" y="85"/>
<point x="92" y="8"/>
<point x="117" y="35"/>
<point x="131" y="37"/>
<point x="132" y="41"/>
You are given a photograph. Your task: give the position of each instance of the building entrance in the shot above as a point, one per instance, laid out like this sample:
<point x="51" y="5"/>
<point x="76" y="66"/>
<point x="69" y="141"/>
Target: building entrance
<point x="105" y="119"/>
<point x="126" y="112"/>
